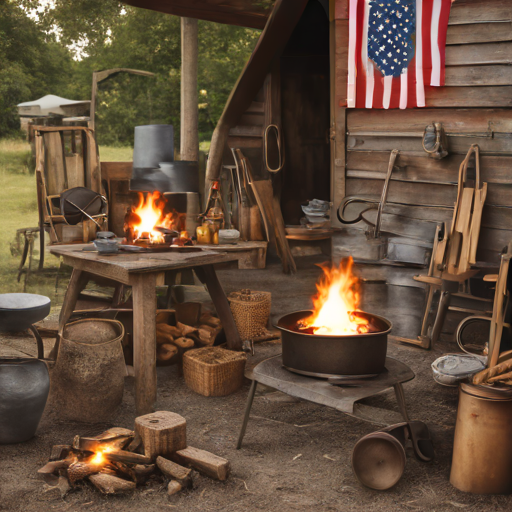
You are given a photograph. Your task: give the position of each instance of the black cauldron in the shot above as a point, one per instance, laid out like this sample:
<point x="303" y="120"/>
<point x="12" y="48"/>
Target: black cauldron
<point x="333" y="356"/>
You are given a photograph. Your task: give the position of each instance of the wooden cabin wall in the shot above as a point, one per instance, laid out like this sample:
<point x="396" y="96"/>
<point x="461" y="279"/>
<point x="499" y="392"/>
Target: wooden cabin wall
<point x="475" y="106"/>
<point x="295" y="97"/>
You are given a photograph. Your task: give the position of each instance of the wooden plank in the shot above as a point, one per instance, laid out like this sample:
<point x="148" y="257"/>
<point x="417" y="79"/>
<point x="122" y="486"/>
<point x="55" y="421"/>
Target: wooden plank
<point x="245" y="142"/>
<point x="482" y="53"/>
<point x="55" y="172"/>
<point x="461" y="121"/>
<point x="499" y="96"/>
<point x="387" y="141"/>
<point x="414" y="166"/>
<point x="246" y="131"/>
<point x="411" y="192"/>
<point x="467" y="76"/>
<point x="479" y="33"/>
<point x="116" y="170"/>
<point x="338" y="33"/>
<point x="405" y="192"/>
<point x="480" y="11"/>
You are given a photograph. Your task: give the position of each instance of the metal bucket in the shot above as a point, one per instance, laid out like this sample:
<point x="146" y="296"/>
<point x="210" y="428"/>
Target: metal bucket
<point x="482" y="448"/>
<point x="331" y="356"/>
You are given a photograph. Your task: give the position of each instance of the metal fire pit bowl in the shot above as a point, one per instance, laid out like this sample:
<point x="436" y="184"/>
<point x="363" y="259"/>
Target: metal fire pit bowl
<point x="334" y="356"/>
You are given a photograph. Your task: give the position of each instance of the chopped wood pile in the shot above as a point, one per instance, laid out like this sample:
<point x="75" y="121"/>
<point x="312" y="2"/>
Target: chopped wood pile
<point x="119" y="460"/>
<point x="174" y="340"/>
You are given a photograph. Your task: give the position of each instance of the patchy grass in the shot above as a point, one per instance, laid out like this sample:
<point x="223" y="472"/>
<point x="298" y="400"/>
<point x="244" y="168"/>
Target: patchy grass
<point x="18" y="209"/>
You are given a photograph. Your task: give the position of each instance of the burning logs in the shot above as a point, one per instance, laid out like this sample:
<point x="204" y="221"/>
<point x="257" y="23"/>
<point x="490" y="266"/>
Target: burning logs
<point x="110" y="461"/>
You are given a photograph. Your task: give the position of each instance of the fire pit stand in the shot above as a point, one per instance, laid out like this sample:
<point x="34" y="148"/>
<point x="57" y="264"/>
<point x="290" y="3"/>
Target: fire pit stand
<point x="271" y="373"/>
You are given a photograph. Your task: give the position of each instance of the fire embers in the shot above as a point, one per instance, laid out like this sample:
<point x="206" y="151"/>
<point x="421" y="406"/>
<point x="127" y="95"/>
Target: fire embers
<point x="336" y="304"/>
<point x="149" y="224"/>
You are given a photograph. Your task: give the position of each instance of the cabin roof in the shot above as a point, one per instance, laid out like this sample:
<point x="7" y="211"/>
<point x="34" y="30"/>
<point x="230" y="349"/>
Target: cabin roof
<point x="245" y="13"/>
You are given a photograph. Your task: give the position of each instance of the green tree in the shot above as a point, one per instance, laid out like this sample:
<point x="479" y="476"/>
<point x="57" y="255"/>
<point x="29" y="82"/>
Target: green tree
<point x="32" y="64"/>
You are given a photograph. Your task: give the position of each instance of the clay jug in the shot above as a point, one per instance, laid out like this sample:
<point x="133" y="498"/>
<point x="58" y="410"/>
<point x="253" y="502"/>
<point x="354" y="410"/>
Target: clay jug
<point x="87" y="381"/>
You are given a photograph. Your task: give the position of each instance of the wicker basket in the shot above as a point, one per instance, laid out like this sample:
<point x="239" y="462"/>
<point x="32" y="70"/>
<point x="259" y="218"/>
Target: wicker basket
<point x="214" y="371"/>
<point x="251" y="311"/>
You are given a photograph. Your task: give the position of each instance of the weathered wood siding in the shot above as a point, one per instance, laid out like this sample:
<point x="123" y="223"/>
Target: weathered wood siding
<point x="474" y="107"/>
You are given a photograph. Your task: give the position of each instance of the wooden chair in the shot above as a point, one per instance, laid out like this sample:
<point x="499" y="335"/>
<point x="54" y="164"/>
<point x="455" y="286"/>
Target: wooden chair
<point x="66" y="157"/>
<point x="454" y="251"/>
<point x="499" y="310"/>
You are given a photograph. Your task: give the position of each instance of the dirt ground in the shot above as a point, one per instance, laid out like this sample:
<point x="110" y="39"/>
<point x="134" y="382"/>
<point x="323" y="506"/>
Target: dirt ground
<point x="296" y="455"/>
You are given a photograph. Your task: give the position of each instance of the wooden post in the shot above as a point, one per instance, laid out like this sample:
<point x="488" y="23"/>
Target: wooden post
<point x="144" y="341"/>
<point x="189" y="131"/>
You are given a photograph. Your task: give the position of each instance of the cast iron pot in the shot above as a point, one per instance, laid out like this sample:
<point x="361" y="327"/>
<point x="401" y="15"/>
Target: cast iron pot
<point x="24" y="388"/>
<point x="331" y="356"/>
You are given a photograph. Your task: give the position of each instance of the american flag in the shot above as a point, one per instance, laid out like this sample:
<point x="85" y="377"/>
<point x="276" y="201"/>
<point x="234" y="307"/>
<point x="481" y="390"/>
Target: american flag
<point x="396" y="49"/>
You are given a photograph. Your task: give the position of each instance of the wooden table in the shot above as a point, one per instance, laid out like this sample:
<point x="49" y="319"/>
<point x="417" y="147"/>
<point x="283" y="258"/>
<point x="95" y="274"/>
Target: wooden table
<point x="141" y="271"/>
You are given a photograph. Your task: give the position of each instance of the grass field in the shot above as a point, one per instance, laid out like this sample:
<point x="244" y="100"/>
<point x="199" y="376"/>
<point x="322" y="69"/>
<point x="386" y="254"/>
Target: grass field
<point x="18" y="209"/>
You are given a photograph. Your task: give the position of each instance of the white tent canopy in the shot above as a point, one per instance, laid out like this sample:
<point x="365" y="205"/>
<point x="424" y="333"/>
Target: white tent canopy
<point x="50" y="104"/>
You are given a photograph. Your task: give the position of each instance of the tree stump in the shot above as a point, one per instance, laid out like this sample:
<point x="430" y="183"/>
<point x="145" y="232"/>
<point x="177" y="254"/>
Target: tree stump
<point x="162" y="433"/>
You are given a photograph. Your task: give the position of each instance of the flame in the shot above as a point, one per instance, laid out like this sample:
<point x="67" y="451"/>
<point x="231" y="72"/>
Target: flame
<point x="150" y="211"/>
<point x="336" y="301"/>
<point x="99" y="458"/>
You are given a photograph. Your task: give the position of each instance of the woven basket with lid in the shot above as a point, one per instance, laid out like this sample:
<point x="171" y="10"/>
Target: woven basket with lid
<point x="251" y="311"/>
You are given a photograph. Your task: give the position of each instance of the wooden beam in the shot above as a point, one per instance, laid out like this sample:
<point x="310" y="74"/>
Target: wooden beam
<point x="479" y="54"/>
<point x="189" y="131"/>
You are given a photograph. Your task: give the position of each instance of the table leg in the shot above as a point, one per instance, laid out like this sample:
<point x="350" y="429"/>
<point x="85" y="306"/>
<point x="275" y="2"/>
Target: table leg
<point x="400" y="398"/>
<point x="77" y="283"/>
<point x="144" y="341"/>
<point x="207" y="275"/>
<point x="247" y="413"/>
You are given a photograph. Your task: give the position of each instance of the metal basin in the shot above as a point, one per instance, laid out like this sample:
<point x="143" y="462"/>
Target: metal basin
<point x="332" y="356"/>
<point x="18" y="311"/>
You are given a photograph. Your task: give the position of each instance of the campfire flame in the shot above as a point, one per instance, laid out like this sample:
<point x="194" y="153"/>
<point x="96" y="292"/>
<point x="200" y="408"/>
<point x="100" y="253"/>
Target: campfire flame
<point x="99" y="458"/>
<point x="143" y="219"/>
<point x="147" y="215"/>
<point x="336" y="302"/>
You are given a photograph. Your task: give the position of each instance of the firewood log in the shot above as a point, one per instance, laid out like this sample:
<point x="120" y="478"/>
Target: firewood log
<point x="205" y="462"/>
<point x="488" y="373"/>
<point x="183" y="343"/>
<point x="127" y="457"/>
<point x="116" y="438"/>
<point x="173" y="487"/>
<point x="174" y="471"/>
<point x="170" y="330"/>
<point x="60" y="451"/>
<point x="501" y="377"/>
<point x="51" y="469"/>
<point x="162" y="433"/>
<point x="185" y="329"/>
<point x="143" y="472"/>
<point x="135" y="445"/>
<point x="79" y="470"/>
<point x="109" y="484"/>
<point x="166" y="352"/>
<point x="166" y="316"/>
<point x="163" y="338"/>
<point x="209" y="319"/>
